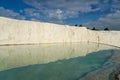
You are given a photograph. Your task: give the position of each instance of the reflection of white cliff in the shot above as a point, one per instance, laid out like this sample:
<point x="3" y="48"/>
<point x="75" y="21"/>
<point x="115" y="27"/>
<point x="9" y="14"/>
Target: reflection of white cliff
<point x="23" y="55"/>
<point x="29" y="32"/>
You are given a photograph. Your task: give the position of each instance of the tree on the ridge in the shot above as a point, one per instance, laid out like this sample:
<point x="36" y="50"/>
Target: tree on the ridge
<point x="93" y="28"/>
<point x="76" y="25"/>
<point x="80" y="25"/>
<point x="106" y="29"/>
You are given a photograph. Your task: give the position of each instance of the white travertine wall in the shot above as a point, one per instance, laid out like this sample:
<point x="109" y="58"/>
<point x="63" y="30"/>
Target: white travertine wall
<point x="28" y="32"/>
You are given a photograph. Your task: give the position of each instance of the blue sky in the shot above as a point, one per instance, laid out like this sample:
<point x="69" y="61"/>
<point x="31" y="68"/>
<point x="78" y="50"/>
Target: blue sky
<point x="90" y="13"/>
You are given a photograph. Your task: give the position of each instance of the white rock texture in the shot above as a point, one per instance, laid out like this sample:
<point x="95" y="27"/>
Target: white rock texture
<point x="29" y="32"/>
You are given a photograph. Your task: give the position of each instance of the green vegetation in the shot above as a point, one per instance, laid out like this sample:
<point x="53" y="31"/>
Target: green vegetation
<point x="94" y="28"/>
<point x="106" y="29"/>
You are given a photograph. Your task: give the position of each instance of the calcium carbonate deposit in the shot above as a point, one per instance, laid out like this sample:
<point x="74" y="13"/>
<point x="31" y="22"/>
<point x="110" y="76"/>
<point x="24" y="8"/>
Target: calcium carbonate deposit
<point x="29" y="32"/>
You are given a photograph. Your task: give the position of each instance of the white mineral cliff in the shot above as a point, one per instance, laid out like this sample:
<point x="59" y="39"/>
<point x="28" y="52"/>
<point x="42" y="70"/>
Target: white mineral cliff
<point x="28" y="32"/>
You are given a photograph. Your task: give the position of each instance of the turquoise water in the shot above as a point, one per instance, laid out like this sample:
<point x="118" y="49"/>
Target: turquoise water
<point x="53" y="61"/>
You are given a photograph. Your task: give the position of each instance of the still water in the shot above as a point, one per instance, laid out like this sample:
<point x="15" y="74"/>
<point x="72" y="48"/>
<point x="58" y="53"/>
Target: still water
<point x="75" y="61"/>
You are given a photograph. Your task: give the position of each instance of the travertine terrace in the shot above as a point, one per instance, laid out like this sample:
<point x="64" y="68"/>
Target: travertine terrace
<point x="30" y="32"/>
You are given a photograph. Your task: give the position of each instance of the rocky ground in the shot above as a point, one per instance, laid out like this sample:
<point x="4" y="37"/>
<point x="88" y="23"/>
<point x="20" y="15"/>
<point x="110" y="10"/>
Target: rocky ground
<point x="109" y="71"/>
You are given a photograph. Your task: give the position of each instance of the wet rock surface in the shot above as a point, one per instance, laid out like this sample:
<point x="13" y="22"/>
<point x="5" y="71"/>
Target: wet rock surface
<point x="115" y="75"/>
<point x="110" y="70"/>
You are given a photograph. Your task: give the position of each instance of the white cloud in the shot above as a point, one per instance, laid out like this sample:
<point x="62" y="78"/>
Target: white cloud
<point x="76" y="5"/>
<point x="106" y="1"/>
<point x="34" y="14"/>
<point x="115" y="5"/>
<point x="59" y="10"/>
<point x="112" y="21"/>
<point x="9" y="13"/>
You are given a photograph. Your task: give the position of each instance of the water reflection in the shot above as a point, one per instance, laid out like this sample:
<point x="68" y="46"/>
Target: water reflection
<point x="23" y="55"/>
<point x="52" y="61"/>
<point x="71" y="69"/>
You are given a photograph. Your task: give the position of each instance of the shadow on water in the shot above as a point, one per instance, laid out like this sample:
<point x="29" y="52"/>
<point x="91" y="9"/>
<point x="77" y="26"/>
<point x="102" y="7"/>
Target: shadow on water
<point x="67" y="69"/>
